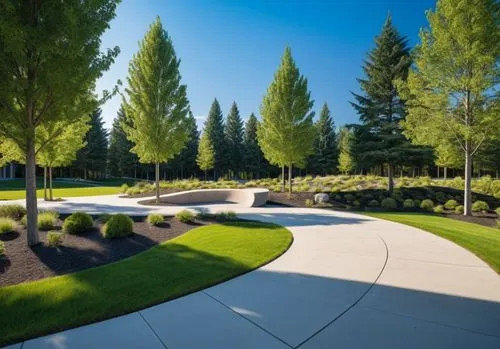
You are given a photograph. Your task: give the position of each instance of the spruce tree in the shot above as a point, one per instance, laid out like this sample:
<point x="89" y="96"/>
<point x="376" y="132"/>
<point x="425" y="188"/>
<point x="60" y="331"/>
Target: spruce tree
<point x="325" y="157"/>
<point x="214" y="128"/>
<point x="233" y="132"/>
<point x="206" y="154"/>
<point x="379" y="107"/>
<point x="185" y="162"/>
<point x="121" y="162"/>
<point x="157" y="104"/>
<point x="286" y="133"/>
<point x="254" y="162"/>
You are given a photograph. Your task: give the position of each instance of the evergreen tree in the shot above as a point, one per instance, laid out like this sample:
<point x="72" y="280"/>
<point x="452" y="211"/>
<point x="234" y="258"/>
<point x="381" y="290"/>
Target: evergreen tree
<point x="214" y="128"/>
<point x="157" y="105"/>
<point x="286" y="133"/>
<point x="234" y="140"/>
<point x="92" y="158"/>
<point x="254" y="161"/>
<point x="346" y="159"/>
<point x="325" y="157"/>
<point x="451" y="88"/>
<point x="185" y="162"/>
<point x="206" y="154"/>
<point x="380" y="108"/>
<point x="121" y="162"/>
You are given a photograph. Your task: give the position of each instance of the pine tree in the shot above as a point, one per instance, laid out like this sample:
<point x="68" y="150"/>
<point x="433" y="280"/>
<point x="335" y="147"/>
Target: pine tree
<point x="121" y="162"/>
<point x="325" y="157"/>
<point x="234" y="140"/>
<point x="206" y="154"/>
<point x="157" y="106"/>
<point x="346" y="159"/>
<point x="254" y="161"/>
<point x="286" y="133"/>
<point x="214" y="128"/>
<point x="380" y="108"/>
<point x="92" y="158"/>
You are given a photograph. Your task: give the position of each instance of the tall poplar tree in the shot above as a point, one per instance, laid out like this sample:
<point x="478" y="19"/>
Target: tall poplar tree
<point x="233" y="132"/>
<point x="214" y="128"/>
<point x="346" y="159"/>
<point x="157" y="104"/>
<point x="254" y="162"/>
<point x="50" y="58"/>
<point x="451" y="89"/>
<point x="286" y="133"/>
<point x="325" y="157"/>
<point x="206" y="154"/>
<point x="379" y="107"/>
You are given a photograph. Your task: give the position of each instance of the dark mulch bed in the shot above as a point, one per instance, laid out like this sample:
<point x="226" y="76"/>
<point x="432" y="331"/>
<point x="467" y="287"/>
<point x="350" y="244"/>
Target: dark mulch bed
<point x="486" y="219"/>
<point x="78" y="252"/>
<point x="296" y="200"/>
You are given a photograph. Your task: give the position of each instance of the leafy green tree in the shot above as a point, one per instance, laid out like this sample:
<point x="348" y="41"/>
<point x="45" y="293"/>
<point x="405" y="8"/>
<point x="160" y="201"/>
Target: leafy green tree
<point x="50" y="58"/>
<point x="253" y="157"/>
<point x="450" y="90"/>
<point x="121" y="161"/>
<point x="447" y="155"/>
<point x="214" y="128"/>
<point x="92" y="158"/>
<point x="233" y="132"/>
<point x="206" y="154"/>
<point x="346" y="160"/>
<point x="286" y="133"/>
<point x="379" y="107"/>
<point x="157" y="104"/>
<point x="185" y="162"/>
<point x="325" y="157"/>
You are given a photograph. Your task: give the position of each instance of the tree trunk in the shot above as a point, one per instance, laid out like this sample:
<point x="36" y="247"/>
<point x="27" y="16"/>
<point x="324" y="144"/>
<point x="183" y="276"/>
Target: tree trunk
<point x="445" y="169"/>
<point x="205" y="175"/>
<point x="438" y="172"/>
<point x="390" y="175"/>
<point x="51" y="194"/>
<point x="45" y="183"/>
<point x="468" y="180"/>
<point x="31" y="204"/>
<point x="283" y="178"/>
<point x="290" y="180"/>
<point x="157" y="182"/>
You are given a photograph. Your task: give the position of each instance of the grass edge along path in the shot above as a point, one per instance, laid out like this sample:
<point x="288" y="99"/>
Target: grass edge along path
<point x="482" y="241"/>
<point x="198" y="259"/>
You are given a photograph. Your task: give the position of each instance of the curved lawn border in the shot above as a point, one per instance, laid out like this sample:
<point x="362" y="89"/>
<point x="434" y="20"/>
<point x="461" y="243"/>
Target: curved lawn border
<point x="196" y="260"/>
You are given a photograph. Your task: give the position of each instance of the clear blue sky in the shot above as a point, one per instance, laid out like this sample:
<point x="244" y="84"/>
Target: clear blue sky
<point x="231" y="49"/>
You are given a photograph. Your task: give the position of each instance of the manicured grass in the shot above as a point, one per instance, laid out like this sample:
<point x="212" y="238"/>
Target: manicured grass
<point x="483" y="241"/>
<point x="198" y="259"/>
<point x="61" y="193"/>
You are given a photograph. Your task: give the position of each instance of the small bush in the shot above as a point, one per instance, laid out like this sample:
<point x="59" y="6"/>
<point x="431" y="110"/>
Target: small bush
<point x="155" y="219"/>
<point x="184" y="216"/>
<point x="54" y="238"/>
<point x="78" y="223"/>
<point x="104" y="218"/>
<point x="356" y="203"/>
<point x="408" y="203"/>
<point x="373" y="203"/>
<point x="7" y="225"/>
<point x="47" y="220"/>
<point x="349" y="197"/>
<point x="459" y="209"/>
<point x="389" y="203"/>
<point x="15" y="212"/>
<point x="480" y="206"/>
<point x="439" y="209"/>
<point x="119" y="225"/>
<point x="416" y="202"/>
<point x="450" y="204"/>
<point x="440" y="196"/>
<point x="2" y="248"/>
<point x="133" y="191"/>
<point x="309" y="203"/>
<point x="223" y="216"/>
<point x="124" y="188"/>
<point x="427" y="205"/>
<point x="498" y="211"/>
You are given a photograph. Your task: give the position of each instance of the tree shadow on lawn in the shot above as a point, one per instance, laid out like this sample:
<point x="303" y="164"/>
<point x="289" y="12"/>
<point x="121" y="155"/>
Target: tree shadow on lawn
<point x="96" y="209"/>
<point x="304" y="219"/>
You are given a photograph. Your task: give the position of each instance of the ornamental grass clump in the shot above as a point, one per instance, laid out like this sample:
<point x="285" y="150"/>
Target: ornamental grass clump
<point x="185" y="216"/>
<point x="7" y="225"/>
<point x="15" y="212"/>
<point x="54" y="238"/>
<point x="155" y="219"/>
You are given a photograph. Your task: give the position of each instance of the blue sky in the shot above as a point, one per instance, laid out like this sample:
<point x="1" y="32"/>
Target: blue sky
<point x="231" y="49"/>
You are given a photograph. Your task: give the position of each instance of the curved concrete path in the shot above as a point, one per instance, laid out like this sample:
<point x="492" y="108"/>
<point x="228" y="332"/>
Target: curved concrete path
<point x="348" y="281"/>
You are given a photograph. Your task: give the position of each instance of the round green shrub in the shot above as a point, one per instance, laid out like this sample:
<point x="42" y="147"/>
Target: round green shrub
<point x="119" y="225"/>
<point x="416" y="202"/>
<point x="2" y="248"/>
<point x="480" y="206"/>
<point x="450" y="204"/>
<point x="184" y="216"/>
<point x="409" y="204"/>
<point x="373" y="203"/>
<point x="78" y="223"/>
<point x="459" y="209"/>
<point x="155" y="219"/>
<point x="439" y="209"/>
<point x="389" y="203"/>
<point x="7" y="225"/>
<point x="54" y="238"/>
<point x="15" y="212"/>
<point x="427" y="205"/>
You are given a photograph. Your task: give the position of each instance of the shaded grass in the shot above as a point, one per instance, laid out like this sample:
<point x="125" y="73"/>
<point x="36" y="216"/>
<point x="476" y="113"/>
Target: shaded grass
<point x="483" y="241"/>
<point x="198" y="259"/>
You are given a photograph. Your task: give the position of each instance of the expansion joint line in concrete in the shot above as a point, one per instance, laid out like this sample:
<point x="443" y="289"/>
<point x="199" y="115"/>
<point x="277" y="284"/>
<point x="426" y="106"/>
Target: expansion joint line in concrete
<point x="152" y="330"/>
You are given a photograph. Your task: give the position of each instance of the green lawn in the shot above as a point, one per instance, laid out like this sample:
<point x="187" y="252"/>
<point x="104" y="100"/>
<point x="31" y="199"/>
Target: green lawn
<point x="198" y="259"/>
<point x="483" y="241"/>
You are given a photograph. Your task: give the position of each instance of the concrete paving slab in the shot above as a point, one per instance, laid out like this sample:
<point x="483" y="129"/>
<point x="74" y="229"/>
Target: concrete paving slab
<point x="198" y="321"/>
